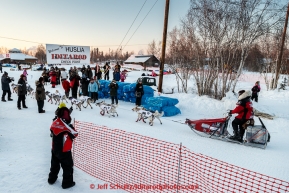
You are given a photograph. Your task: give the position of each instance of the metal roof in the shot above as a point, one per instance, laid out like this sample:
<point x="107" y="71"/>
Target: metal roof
<point x="19" y="56"/>
<point x="138" y="58"/>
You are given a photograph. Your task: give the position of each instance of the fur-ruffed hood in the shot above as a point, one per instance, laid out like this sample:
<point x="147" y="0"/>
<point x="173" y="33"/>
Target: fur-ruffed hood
<point x="37" y="82"/>
<point x="246" y="94"/>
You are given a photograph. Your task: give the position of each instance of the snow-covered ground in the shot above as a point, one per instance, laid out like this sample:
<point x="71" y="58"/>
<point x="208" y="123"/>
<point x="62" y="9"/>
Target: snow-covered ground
<point x="25" y="142"/>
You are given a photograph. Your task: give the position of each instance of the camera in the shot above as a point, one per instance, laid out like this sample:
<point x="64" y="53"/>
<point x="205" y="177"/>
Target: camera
<point x="11" y="78"/>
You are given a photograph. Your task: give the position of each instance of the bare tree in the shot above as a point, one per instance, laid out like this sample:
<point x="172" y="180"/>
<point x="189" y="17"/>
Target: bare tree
<point x="154" y="48"/>
<point x="216" y="37"/>
<point x="254" y="19"/>
<point x="41" y="53"/>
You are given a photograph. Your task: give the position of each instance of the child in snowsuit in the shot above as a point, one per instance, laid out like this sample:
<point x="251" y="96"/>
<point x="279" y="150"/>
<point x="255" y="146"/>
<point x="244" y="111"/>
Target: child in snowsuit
<point x="93" y="89"/>
<point x="244" y="109"/>
<point x="63" y="134"/>
<point x="255" y="91"/>
<point x="122" y="76"/>
<point x="25" y="74"/>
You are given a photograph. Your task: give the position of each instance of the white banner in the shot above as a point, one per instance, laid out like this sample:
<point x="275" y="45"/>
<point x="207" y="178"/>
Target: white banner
<point x="67" y="54"/>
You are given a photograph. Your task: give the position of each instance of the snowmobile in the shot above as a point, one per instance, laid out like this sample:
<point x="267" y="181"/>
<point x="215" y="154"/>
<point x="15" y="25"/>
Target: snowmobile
<point x="255" y="135"/>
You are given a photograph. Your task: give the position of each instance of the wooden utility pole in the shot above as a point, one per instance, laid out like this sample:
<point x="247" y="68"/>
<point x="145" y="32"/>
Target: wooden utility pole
<point x="278" y="67"/>
<point x="164" y="46"/>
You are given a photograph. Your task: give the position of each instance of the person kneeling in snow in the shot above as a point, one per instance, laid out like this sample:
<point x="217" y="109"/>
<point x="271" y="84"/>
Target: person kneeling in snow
<point x="63" y="134"/>
<point x="244" y="109"/>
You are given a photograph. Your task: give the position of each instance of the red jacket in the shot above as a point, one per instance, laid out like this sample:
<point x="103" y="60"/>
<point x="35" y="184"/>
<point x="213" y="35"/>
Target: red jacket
<point x="66" y="85"/>
<point x="63" y="132"/>
<point x="63" y="136"/>
<point x="52" y="74"/>
<point x="244" y="107"/>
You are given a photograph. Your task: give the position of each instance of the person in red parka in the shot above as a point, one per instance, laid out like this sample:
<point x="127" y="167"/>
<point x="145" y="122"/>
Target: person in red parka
<point x="63" y="134"/>
<point x="74" y="84"/>
<point x="244" y="109"/>
<point x="66" y="87"/>
<point x="53" y="77"/>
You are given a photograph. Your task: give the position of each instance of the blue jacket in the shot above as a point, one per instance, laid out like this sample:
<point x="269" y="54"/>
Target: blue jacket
<point x="93" y="87"/>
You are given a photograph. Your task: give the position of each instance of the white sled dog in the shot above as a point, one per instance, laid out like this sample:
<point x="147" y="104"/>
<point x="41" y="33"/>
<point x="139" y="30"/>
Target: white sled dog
<point x="29" y="89"/>
<point x="145" y="114"/>
<point x="108" y="108"/>
<point x="33" y="94"/>
<point x="57" y="96"/>
<point x="76" y="102"/>
<point x="14" y="88"/>
<point x="86" y="99"/>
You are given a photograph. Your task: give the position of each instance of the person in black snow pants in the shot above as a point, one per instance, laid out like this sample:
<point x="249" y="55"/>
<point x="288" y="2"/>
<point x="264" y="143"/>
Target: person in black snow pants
<point x="138" y="93"/>
<point x="62" y="133"/>
<point x="255" y="90"/>
<point x="113" y="91"/>
<point x="22" y="91"/>
<point x="5" y="80"/>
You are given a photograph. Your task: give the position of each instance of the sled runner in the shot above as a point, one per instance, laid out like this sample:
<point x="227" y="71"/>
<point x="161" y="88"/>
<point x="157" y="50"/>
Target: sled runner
<point x="255" y="135"/>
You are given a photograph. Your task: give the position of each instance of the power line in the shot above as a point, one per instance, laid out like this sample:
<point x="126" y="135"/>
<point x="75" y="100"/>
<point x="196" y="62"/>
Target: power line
<point x="20" y="40"/>
<point x="131" y="25"/>
<point x="141" y="23"/>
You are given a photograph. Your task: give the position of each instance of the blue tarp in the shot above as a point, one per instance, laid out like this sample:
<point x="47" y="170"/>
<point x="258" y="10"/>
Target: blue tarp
<point x="162" y="101"/>
<point x="171" y="111"/>
<point x="126" y="92"/>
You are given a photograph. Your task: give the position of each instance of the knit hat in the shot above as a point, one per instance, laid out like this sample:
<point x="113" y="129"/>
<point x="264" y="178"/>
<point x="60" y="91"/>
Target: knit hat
<point x="6" y="73"/>
<point x="40" y="79"/>
<point x="62" y="104"/>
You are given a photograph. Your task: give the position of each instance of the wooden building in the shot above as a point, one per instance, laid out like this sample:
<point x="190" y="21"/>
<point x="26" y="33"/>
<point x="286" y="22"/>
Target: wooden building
<point x="143" y="60"/>
<point x="15" y="56"/>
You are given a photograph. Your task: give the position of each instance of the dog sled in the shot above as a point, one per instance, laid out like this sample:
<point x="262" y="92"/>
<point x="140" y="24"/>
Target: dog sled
<point x="255" y="135"/>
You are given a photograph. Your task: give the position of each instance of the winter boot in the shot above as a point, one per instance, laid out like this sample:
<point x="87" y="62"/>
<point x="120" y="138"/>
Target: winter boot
<point x="51" y="181"/>
<point x="3" y="100"/>
<point x="241" y="134"/>
<point x="10" y="99"/>
<point x="65" y="186"/>
<point x="24" y="105"/>
<point x="235" y="136"/>
<point x="19" y="108"/>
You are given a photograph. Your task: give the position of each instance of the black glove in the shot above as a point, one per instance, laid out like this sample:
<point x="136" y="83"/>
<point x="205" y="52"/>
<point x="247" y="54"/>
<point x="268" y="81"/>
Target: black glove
<point x="54" y="118"/>
<point x="230" y="112"/>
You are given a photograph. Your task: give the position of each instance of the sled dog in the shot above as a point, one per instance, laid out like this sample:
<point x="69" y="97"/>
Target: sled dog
<point x="86" y="99"/>
<point x="29" y="89"/>
<point x="14" y="88"/>
<point x="108" y="108"/>
<point x="75" y="102"/>
<point x="145" y="114"/>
